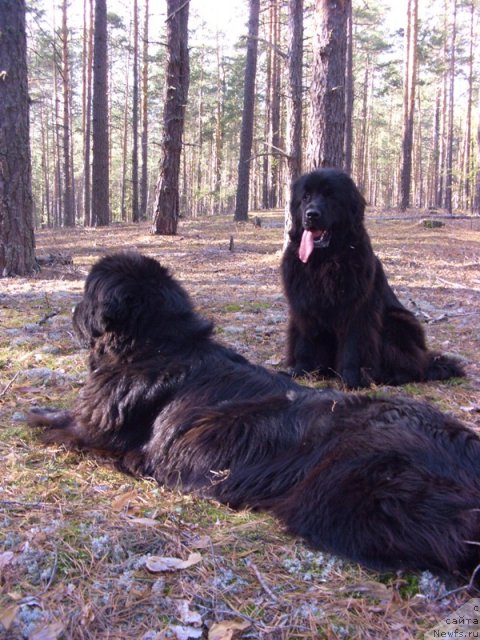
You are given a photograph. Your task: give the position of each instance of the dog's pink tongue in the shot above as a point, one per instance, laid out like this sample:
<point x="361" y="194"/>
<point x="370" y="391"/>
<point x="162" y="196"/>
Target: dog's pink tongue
<point x="306" y="246"/>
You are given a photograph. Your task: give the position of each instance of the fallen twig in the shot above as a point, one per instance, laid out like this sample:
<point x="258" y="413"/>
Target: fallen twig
<point x="7" y="386"/>
<point x="52" y="314"/>
<point x="262" y="582"/>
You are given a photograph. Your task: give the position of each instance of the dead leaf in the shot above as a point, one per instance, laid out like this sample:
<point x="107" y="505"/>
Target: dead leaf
<point x="185" y="633"/>
<point x="6" y="558"/>
<point x="227" y="629"/>
<point x="49" y="632"/>
<point x="122" y="501"/>
<point x="186" y="615"/>
<point x="156" y="564"/>
<point x="146" y="522"/>
<point x="7" y="615"/>
<point x="204" y="542"/>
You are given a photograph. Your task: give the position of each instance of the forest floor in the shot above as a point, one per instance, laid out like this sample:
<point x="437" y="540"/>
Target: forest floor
<point x="76" y="535"/>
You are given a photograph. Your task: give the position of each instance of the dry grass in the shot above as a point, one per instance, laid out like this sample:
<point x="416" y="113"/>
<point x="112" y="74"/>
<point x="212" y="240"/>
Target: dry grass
<point x="76" y="534"/>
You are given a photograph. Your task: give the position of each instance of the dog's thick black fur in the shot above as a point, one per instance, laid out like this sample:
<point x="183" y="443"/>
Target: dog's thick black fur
<point x="345" y="319"/>
<point x="391" y="483"/>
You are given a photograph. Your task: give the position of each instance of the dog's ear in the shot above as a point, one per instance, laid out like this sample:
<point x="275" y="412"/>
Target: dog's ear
<point x="358" y="202"/>
<point x="296" y="195"/>
<point x="117" y="312"/>
<point x="93" y="318"/>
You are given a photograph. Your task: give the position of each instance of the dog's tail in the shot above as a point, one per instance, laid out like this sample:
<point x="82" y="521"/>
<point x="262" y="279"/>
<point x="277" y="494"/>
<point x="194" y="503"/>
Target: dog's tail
<point x="442" y="367"/>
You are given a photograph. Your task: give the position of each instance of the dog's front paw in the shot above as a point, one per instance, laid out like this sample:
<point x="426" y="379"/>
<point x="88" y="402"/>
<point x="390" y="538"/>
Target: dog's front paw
<point x="48" y="418"/>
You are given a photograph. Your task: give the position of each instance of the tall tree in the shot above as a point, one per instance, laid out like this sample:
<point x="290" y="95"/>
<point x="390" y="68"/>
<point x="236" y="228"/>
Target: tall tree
<point x="246" y="136"/>
<point x="468" y="165"/>
<point x="294" y="103"/>
<point x="144" y="138"/>
<point x="126" y="122"/>
<point x="177" y="78"/>
<point x="409" y="86"/>
<point x="348" y="139"/>
<point x="100" y="163"/>
<point x="271" y="157"/>
<point x="476" y="197"/>
<point x="275" y="106"/>
<point x="219" y="128"/>
<point x="451" y="98"/>
<point x="325" y="145"/>
<point x="68" y="197"/>
<point x="87" y="109"/>
<point x="17" y="242"/>
<point x="135" y="212"/>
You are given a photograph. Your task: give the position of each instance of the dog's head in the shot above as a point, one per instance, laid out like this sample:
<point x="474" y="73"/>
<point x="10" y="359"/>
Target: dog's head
<point x="133" y="299"/>
<point x="327" y="208"/>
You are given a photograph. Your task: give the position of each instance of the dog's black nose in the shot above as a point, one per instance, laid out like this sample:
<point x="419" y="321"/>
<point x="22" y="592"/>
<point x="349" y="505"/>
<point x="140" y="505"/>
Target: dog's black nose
<point x="312" y="213"/>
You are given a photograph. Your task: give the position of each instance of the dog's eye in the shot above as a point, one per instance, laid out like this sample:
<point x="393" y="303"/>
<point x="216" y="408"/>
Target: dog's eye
<point x="306" y="197"/>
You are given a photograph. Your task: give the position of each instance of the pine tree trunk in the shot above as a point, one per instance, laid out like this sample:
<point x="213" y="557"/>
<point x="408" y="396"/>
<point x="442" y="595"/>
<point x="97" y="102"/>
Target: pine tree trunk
<point x="87" y="203"/>
<point x="435" y="160"/>
<point x="476" y="198"/>
<point x="362" y="143"/>
<point x="451" y="98"/>
<point x="126" y="113"/>
<point x="198" y="148"/>
<point x="100" y="165"/>
<point x="275" y="105"/>
<point x="219" y="130"/>
<point x="68" y="209"/>
<point x="246" y="135"/>
<point x="135" y="212"/>
<point x="348" y="141"/>
<point x="409" y="84"/>
<point x="177" y="79"/>
<point x="144" y="138"/>
<point x="294" y="104"/>
<point x="467" y="165"/>
<point x="58" y="198"/>
<point x="45" y="169"/>
<point x="327" y="91"/>
<point x="440" y="196"/>
<point x="265" y="159"/>
<point x="17" y="242"/>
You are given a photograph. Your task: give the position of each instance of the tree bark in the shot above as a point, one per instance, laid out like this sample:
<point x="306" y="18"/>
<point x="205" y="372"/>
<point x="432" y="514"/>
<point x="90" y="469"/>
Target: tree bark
<point x="87" y="175"/>
<point x="100" y="164"/>
<point x="410" y="81"/>
<point x="349" y="95"/>
<point x="451" y="98"/>
<point x="219" y="130"/>
<point x="177" y="77"/>
<point x="68" y="206"/>
<point x="275" y="106"/>
<point x="294" y="104"/>
<point x="327" y="91"/>
<point x="126" y="113"/>
<point x="144" y="138"/>
<point x="246" y="135"/>
<point x="17" y="241"/>
<point x="476" y="198"/>
<point x="135" y="92"/>
<point x="467" y="163"/>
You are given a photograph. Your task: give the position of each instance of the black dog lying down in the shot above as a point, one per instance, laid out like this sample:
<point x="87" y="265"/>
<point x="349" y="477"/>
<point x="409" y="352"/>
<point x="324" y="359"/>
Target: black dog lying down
<point x="391" y="483"/>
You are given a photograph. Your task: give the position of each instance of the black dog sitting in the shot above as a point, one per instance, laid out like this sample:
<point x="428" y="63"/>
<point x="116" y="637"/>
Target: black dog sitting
<point x="345" y="319"/>
<point x="391" y="483"/>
